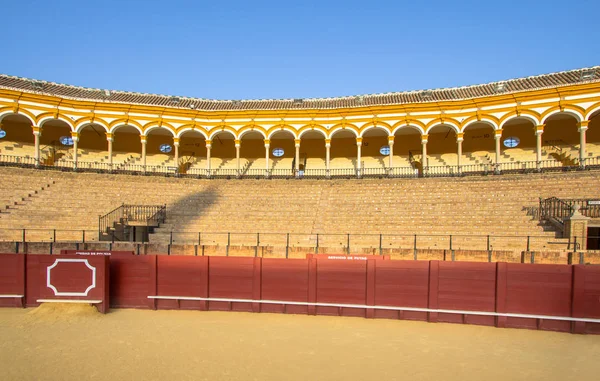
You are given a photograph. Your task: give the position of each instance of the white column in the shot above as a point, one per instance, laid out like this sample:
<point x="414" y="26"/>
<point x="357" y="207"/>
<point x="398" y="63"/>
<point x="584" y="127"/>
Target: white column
<point x="358" y="149"/>
<point x="75" y="137"/>
<point x="176" y="145"/>
<point x="144" y="141"/>
<point x="583" y="126"/>
<point x="109" y="139"/>
<point x="459" y="141"/>
<point x="238" y="144"/>
<point x="327" y="154"/>
<point x="424" y="161"/>
<point x="267" y="144"/>
<point x="208" y="147"/>
<point x="391" y="144"/>
<point x="498" y="138"/>
<point x="297" y="161"/>
<point x="539" y="130"/>
<point x="37" y="131"/>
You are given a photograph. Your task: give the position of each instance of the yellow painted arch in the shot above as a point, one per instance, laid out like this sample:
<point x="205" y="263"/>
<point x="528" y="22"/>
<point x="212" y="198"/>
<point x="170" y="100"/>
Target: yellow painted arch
<point x="273" y="130"/>
<point x="443" y="122"/>
<point x="45" y="117"/>
<point x="534" y="117"/>
<point x="577" y="112"/>
<point x="5" y="111"/>
<point x="343" y="126"/>
<point x="372" y="125"/>
<point x="251" y="127"/>
<point x="190" y="127"/>
<point x="221" y="129"/>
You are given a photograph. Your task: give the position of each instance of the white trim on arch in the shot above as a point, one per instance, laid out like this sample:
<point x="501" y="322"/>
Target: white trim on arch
<point x="574" y="113"/>
<point x="489" y="122"/>
<point x="408" y="125"/>
<point x="188" y="129"/>
<point x="114" y="128"/>
<point x="7" y="113"/>
<point x="282" y="130"/>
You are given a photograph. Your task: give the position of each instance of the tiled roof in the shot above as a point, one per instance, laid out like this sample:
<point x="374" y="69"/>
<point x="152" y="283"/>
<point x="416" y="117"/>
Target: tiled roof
<point x="423" y="96"/>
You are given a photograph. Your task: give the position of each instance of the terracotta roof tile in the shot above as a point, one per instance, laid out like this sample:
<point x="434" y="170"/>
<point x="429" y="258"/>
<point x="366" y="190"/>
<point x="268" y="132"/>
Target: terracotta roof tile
<point x="435" y="95"/>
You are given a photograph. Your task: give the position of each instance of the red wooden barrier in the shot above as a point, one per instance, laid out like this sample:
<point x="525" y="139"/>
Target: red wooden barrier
<point x="67" y="278"/>
<point x="12" y="280"/>
<point x="500" y="294"/>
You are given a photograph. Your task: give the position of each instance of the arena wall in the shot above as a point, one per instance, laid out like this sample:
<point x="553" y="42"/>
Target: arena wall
<point x="495" y="294"/>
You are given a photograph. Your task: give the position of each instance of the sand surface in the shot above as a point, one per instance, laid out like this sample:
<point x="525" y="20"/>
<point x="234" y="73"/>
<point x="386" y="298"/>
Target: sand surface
<point x="74" y="342"/>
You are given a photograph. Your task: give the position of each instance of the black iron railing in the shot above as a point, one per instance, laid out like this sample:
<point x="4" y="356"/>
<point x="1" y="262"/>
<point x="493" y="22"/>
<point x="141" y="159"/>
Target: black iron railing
<point x="154" y="214"/>
<point x="556" y="209"/>
<point x="255" y="173"/>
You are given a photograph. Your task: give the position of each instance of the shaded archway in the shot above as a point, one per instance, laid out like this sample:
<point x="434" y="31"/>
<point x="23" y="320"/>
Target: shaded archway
<point x="593" y="137"/>
<point x="192" y="150"/>
<point x="442" y="146"/>
<point x="93" y="145"/>
<point x="518" y="141"/>
<point x="344" y="152"/>
<point x="222" y="151"/>
<point x="282" y="151"/>
<point x="375" y="144"/>
<point x="160" y="151"/>
<point x="479" y="144"/>
<point x="408" y="147"/>
<point x="57" y="147"/>
<point x="312" y="151"/>
<point x="253" y="150"/>
<point x="18" y="139"/>
<point x="560" y="140"/>
<point x="127" y="145"/>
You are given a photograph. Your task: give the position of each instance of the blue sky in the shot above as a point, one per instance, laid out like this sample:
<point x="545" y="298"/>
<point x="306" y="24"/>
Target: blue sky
<point x="293" y="49"/>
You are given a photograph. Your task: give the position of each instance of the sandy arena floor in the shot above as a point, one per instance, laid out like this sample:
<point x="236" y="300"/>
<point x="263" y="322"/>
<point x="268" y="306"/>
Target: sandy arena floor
<point x="58" y="342"/>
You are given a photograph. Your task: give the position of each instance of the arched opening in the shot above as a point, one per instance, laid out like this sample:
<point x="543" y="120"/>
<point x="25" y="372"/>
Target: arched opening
<point x="407" y="147"/>
<point x="593" y="136"/>
<point x="92" y="146"/>
<point x="160" y="151"/>
<point x="374" y="154"/>
<point x="442" y="146"/>
<point x="518" y="142"/>
<point x="282" y="150"/>
<point x="253" y="149"/>
<point x="222" y="152"/>
<point x="312" y="150"/>
<point x="560" y="140"/>
<point x="192" y="151"/>
<point x="479" y="145"/>
<point x="127" y="146"/>
<point x="18" y="137"/>
<point x="56" y="143"/>
<point x="343" y="150"/>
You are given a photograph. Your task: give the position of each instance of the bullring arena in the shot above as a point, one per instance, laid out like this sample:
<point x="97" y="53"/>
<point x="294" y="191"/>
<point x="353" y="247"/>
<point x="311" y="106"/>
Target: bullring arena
<point x="364" y="236"/>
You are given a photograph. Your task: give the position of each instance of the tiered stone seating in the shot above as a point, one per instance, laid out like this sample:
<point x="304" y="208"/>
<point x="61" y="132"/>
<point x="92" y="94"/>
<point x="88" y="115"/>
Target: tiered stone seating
<point x="398" y="209"/>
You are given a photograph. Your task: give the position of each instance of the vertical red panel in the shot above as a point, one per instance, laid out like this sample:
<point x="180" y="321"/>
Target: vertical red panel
<point x="12" y="279"/>
<point x="501" y="272"/>
<point x="204" y="283"/>
<point x="341" y="282"/>
<point x="256" y="284"/>
<point x="370" y="287"/>
<point x="32" y="281"/>
<point x="402" y="284"/>
<point x="180" y="276"/>
<point x="153" y="280"/>
<point x="312" y="285"/>
<point x="285" y="280"/>
<point x="539" y="289"/>
<point x="586" y="297"/>
<point x="129" y="281"/>
<point x="467" y="286"/>
<point x="434" y="274"/>
<point x="231" y="278"/>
